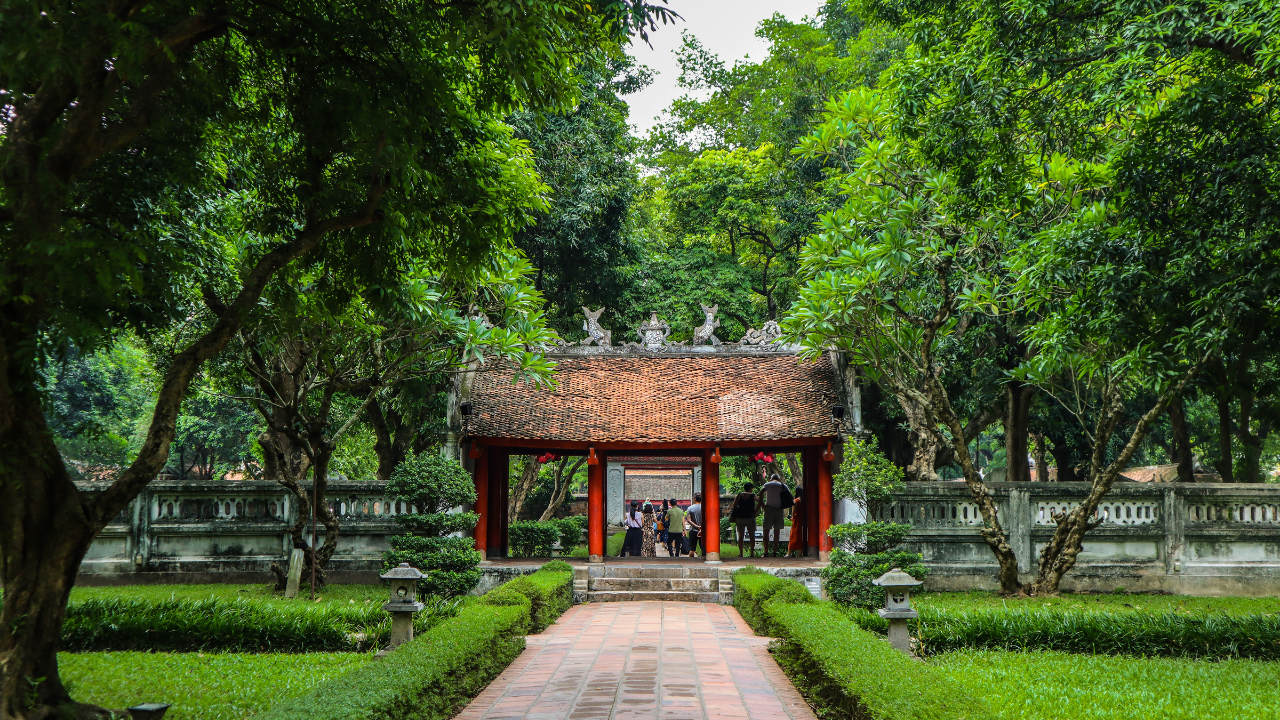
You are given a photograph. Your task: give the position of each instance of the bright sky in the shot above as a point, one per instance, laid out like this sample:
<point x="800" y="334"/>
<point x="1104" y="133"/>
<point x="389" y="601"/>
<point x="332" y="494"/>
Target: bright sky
<point x="725" y="27"/>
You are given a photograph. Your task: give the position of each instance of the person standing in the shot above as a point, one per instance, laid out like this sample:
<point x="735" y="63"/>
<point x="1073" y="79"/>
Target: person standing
<point x="631" y="543"/>
<point x="663" y="526"/>
<point x="794" y="544"/>
<point x="743" y="514"/>
<point x="694" y="516"/>
<point x="648" y="543"/>
<point x="771" y="497"/>
<point x="675" y="530"/>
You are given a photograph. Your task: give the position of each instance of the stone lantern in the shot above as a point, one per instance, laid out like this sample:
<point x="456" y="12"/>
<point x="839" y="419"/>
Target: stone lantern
<point x="404" y="601"/>
<point x="897" y="606"/>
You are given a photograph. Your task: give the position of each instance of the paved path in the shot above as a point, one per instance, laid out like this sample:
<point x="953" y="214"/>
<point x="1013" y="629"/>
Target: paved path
<point x="662" y="660"/>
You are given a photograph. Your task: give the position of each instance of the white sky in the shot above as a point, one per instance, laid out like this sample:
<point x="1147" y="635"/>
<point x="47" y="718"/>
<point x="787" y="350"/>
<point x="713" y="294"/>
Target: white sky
<point x="725" y="27"/>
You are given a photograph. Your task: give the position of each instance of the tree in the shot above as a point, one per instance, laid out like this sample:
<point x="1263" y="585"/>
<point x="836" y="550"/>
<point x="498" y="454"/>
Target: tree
<point x="430" y="486"/>
<point x="582" y="155"/>
<point x="357" y="136"/>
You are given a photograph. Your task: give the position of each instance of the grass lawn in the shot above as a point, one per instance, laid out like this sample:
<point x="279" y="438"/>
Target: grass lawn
<point x="1034" y="685"/>
<point x="201" y="686"/>
<point x="347" y="594"/>
<point x="1111" y="603"/>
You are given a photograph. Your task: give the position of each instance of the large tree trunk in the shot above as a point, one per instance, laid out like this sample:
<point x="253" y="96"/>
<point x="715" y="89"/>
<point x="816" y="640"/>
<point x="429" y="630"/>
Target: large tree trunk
<point x="1042" y="463"/>
<point x="1181" y="441"/>
<point x="1062" y="459"/>
<point x="1222" y="394"/>
<point x="1059" y="554"/>
<point x="391" y="439"/>
<point x="562" y="481"/>
<point x="924" y="441"/>
<point x="1017" y="404"/>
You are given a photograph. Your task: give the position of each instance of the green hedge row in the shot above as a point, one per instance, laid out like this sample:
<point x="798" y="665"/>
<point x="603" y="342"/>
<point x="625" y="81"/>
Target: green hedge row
<point x="437" y="673"/>
<point x="856" y="674"/>
<point x="239" y="625"/>
<point x="1215" y="636"/>
<point x="845" y="670"/>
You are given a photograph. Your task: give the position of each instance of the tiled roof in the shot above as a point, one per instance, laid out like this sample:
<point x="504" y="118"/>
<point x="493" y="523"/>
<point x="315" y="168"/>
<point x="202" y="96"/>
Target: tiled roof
<point x="662" y="399"/>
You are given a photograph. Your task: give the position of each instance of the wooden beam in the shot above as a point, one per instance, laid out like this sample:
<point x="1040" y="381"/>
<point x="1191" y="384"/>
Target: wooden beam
<point x="727" y="447"/>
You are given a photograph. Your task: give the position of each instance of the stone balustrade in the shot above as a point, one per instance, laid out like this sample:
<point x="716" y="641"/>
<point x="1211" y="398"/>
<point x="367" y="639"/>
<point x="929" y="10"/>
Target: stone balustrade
<point x="1170" y="537"/>
<point x="232" y="532"/>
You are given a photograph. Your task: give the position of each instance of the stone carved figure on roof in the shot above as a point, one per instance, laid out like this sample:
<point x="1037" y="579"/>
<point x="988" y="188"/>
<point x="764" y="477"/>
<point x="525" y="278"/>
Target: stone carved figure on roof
<point x="595" y="333"/>
<point x="766" y="335"/>
<point x="653" y="334"/>
<point x="706" y="333"/>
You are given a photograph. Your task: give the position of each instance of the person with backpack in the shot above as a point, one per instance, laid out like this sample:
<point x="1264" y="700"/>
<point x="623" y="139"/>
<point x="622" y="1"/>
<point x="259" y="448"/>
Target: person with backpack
<point x="776" y="498"/>
<point x="694" y="516"/>
<point x="743" y="514"/>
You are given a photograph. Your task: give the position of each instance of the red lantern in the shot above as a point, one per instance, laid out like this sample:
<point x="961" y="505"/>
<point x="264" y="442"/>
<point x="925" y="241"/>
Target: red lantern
<point x="768" y="459"/>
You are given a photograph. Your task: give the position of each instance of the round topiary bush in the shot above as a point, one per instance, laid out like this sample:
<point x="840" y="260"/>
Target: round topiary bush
<point x="433" y="485"/>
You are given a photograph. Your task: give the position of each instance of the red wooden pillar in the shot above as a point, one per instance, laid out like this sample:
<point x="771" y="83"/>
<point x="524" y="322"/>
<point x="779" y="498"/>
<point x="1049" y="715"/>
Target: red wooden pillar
<point x="825" y="500"/>
<point x="711" y="507"/>
<point x="482" y="501"/>
<point x="812" y="457"/>
<point x="595" y="510"/>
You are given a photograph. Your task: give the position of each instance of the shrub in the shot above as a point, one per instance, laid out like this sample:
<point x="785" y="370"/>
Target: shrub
<point x="432" y="485"/>
<point x="753" y="589"/>
<point x="572" y="531"/>
<point x="869" y="538"/>
<point x="853" y="673"/>
<point x="531" y="538"/>
<point x="848" y="579"/>
<point x="550" y="593"/>
<point x="430" y="678"/>
<point x="866" y="476"/>
<point x="239" y="625"/>
<point x="1167" y="634"/>
<point x="613" y="546"/>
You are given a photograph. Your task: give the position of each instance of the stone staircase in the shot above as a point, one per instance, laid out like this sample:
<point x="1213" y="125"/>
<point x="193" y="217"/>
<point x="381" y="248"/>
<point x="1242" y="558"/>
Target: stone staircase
<point x="677" y="583"/>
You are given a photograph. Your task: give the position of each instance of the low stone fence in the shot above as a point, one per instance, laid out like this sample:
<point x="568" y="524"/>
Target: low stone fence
<point x="1193" y="539"/>
<point x="232" y="532"/>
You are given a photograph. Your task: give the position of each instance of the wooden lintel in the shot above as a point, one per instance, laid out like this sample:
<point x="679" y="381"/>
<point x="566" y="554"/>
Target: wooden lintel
<point x="727" y="447"/>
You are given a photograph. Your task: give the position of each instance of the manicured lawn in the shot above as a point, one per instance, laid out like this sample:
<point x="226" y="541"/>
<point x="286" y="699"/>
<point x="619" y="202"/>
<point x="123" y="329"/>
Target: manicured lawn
<point x="1111" y="603"/>
<point x="349" y="594"/>
<point x="201" y="686"/>
<point x="1035" y="685"/>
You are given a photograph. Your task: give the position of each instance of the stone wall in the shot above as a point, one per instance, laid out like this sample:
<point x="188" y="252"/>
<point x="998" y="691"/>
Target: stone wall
<point x="1194" y="539"/>
<point x="232" y="532"/>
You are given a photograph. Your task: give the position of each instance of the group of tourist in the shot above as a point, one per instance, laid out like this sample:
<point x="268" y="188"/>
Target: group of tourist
<point x="682" y="533"/>
<point x="679" y="530"/>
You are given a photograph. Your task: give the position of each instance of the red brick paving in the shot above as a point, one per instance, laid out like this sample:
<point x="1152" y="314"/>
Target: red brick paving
<point x="633" y="660"/>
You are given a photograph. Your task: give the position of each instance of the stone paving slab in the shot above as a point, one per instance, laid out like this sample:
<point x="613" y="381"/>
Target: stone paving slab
<point x="643" y="660"/>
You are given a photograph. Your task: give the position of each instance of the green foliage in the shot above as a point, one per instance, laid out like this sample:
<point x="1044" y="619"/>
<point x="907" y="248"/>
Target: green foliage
<point x="1118" y="603"/>
<point x="1168" y="634"/>
<point x="866" y="476"/>
<point x="613" y="546"/>
<point x="857" y="674"/>
<point x="432" y="485"/>
<point x="530" y="538"/>
<point x="557" y="566"/>
<point x="572" y="530"/>
<point x="869" y="538"/>
<point x="430" y="677"/>
<point x="550" y="594"/>
<point x="753" y="589"/>
<point x="1034" y="685"/>
<point x="848" y="579"/>
<point x="233" y="625"/>
<point x="201" y="686"/>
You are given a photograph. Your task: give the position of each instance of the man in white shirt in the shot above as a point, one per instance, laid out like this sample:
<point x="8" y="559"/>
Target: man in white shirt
<point x="774" y="514"/>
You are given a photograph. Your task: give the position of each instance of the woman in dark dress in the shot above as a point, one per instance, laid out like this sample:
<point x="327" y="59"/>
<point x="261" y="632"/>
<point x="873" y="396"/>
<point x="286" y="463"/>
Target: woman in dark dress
<point x="631" y="544"/>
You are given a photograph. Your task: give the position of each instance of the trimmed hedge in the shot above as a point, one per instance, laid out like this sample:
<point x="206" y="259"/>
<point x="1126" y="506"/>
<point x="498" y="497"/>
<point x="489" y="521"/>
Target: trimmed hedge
<point x="549" y="592"/>
<point x="753" y="589"/>
<point x="1168" y="634"/>
<point x="430" y="678"/>
<point x="436" y="674"/>
<point x="855" y="674"/>
<point x="238" y="625"/>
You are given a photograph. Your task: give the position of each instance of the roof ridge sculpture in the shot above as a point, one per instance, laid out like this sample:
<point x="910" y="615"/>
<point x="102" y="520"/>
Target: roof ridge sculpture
<point x="655" y="333"/>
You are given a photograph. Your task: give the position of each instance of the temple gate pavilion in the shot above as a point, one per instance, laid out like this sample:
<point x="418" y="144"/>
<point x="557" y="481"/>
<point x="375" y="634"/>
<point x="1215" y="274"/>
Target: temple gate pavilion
<point x="661" y="409"/>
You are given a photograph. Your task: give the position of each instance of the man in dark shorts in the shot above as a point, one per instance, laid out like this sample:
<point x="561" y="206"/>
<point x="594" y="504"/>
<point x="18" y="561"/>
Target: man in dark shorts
<point x="770" y="497"/>
<point x="744" y="517"/>
<point x="694" y="513"/>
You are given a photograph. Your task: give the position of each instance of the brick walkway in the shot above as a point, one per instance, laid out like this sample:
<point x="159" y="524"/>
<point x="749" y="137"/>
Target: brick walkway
<point x="667" y="660"/>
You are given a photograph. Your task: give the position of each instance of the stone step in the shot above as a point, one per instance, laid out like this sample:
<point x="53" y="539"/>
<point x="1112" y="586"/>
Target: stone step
<point x="653" y="584"/>
<point x="653" y="571"/>
<point x="654" y="595"/>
